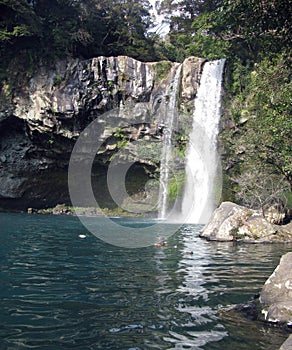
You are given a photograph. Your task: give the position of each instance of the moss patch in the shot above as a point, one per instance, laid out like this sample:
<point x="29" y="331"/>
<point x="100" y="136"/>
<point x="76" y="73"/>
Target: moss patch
<point x="162" y="69"/>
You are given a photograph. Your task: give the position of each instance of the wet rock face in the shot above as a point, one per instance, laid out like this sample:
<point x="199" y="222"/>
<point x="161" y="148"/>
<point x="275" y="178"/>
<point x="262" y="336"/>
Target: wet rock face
<point x="276" y="295"/>
<point x="40" y="126"/>
<point x="66" y="99"/>
<point x="29" y="165"/>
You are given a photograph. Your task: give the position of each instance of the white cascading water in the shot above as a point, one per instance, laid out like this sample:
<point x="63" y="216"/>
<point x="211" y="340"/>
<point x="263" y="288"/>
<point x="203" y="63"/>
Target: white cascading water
<point x="171" y="115"/>
<point x="202" y="160"/>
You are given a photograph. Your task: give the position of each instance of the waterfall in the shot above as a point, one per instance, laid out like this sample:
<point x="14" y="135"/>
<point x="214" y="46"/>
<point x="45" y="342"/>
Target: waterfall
<point x="170" y="118"/>
<point x="202" y="161"/>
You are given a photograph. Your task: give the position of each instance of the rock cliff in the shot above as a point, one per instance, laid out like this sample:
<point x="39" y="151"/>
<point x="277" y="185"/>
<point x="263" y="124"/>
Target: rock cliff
<point x="43" y="118"/>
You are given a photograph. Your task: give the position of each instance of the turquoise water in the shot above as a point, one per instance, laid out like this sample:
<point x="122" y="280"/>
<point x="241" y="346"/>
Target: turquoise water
<point x="59" y="291"/>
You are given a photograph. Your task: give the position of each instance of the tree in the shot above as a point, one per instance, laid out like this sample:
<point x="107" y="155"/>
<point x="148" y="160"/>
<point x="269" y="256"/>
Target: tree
<point x="17" y="22"/>
<point x="127" y="23"/>
<point x="262" y="26"/>
<point x="268" y="109"/>
<point x="259" y="189"/>
<point x="50" y="30"/>
<point x="63" y="26"/>
<point x="188" y="28"/>
<point x="258" y="147"/>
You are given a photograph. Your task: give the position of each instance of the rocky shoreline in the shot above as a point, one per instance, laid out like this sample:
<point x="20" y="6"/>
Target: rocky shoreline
<point x="232" y="222"/>
<point x="274" y="304"/>
<point x="229" y="222"/>
<point x="62" y="209"/>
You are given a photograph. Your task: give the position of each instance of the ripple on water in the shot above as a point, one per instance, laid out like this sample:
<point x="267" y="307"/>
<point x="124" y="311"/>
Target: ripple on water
<point x="59" y="291"/>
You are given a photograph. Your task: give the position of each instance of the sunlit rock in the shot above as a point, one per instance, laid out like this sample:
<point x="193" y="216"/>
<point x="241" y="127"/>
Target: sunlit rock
<point x="47" y="113"/>
<point x="232" y="222"/>
<point x="276" y="295"/>
<point x="225" y="221"/>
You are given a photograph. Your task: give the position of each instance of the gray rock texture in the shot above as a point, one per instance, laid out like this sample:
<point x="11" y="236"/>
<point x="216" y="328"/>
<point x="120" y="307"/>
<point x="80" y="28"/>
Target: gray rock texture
<point x="225" y="221"/>
<point x="276" y="295"/>
<point x="287" y="345"/>
<point x="232" y="222"/>
<point x="41" y="120"/>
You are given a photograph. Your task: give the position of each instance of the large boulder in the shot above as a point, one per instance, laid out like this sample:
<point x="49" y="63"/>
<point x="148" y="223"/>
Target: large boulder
<point x="225" y="221"/>
<point x="232" y="222"/>
<point x="276" y="295"/>
<point x="258" y="230"/>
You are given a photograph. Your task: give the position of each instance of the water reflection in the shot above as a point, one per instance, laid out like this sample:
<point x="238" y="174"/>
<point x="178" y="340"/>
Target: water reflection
<point x="59" y="291"/>
<point x="194" y="295"/>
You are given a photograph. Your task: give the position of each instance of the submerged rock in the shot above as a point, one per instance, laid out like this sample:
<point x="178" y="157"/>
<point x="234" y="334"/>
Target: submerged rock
<point x="276" y="295"/>
<point x="232" y="222"/>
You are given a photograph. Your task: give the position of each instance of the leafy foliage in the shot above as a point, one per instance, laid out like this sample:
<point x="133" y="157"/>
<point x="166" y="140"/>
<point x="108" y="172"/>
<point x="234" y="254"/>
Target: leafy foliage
<point x="266" y="105"/>
<point x="258" y="147"/>
<point x="162" y="69"/>
<point x="17" y="19"/>
<point x="48" y="30"/>
<point x="254" y="36"/>
<point x="175" y="187"/>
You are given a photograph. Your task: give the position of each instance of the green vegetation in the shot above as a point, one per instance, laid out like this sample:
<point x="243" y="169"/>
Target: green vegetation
<point x="258" y="146"/>
<point x="162" y="69"/>
<point x="40" y="32"/>
<point x="122" y="139"/>
<point x="62" y="209"/>
<point x="234" y="232"/>
<point x="149" y="151"/>
<point x="57" y="80"/>
<point x="181" y="143"/>
<point x="175" y="186"/>
<point x="255" y="37"/>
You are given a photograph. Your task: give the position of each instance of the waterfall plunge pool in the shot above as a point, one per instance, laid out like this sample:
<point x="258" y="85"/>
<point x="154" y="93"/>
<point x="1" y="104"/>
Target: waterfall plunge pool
<point x="59" y="291"/>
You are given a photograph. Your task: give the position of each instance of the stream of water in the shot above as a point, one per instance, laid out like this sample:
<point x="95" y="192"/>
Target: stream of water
<point x="171" y="116"/>
<point x="203" y="161"/>
<point x="63" y="288"/>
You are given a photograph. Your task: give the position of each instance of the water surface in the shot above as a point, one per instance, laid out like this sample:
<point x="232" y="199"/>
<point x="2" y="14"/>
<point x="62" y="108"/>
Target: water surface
<point x="59" y="291"/>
